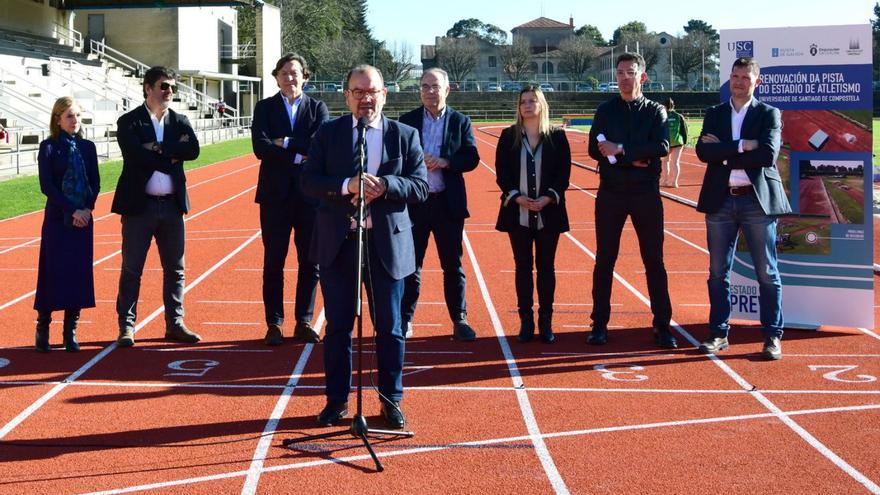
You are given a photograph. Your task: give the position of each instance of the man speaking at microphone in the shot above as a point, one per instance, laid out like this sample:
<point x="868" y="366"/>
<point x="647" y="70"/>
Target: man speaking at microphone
<point x="394" y="175"/>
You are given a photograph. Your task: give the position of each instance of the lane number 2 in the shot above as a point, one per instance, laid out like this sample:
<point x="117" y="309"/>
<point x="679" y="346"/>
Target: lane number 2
<point x="837" y="370"/>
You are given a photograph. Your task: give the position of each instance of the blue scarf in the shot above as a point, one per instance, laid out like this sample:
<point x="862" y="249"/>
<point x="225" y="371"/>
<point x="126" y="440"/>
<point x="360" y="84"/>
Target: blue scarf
<point x="74" y="185"/>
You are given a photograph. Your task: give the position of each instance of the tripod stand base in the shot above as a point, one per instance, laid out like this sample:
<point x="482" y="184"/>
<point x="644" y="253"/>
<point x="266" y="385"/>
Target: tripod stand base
<point x="358" y="429"/>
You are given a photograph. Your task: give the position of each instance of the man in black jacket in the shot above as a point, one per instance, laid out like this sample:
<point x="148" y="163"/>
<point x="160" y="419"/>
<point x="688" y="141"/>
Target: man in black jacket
<point x="281" y="133"/>
<point x="151" y="197"/>
<point x="450" y="151"/>
<point x="628" y="139"/>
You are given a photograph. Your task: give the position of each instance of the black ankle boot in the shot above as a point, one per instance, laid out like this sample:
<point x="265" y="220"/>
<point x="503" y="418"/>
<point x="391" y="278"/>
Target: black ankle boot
<point x="526" y="326"/>
<point x="44" y="318"/>
<point x="71" y="319"/>
<point x="545" y="326"/>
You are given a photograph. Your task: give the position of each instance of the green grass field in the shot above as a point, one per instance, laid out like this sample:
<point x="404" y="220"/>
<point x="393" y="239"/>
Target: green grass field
<point x="695" y="126"/>
<point x="852" y="211"/>
<point x="23" y="195"/>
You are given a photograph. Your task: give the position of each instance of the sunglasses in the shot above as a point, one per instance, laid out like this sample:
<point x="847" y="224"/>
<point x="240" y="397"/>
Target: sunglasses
<point x="165" y="86"/>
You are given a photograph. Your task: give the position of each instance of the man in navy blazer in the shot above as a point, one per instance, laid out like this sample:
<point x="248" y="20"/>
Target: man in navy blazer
<point x="450" y="152"/>
<point x="742" y="190"/>
<point x="395" y="176"/>
<point x="151" y="198"/>
<point x="281" y="133"/>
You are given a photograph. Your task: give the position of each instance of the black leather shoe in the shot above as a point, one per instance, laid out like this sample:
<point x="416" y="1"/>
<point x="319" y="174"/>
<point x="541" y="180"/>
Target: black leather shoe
<point x="332" y="413"/>
<point x="598" y="335"/>
<point x="303" y="332"/>
<point x="126" y="337"/>
<point x="713" y="345"/>
<point x="772" y="348"/>
<point x="180" y="333"/>
<point x="462" y="332"/>
<point x="664" y="339"/>
<point x="393" y="414"/>
<point x="274" y="335"/>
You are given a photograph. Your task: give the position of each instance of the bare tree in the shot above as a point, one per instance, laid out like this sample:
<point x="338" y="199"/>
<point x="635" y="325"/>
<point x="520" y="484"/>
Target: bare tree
<point x="578" y="55"/>
<point x="458" y="56"/>
<point x="687" y="54"/>
<point x="340" y="55"/>
<point x="395" y="61"/>
<point x="645" y="43"/>
<point x="516" y="59"/>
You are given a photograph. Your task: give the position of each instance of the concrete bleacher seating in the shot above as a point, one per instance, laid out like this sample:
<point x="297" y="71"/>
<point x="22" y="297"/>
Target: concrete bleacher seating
<point x="29" y="45"/>
<point x="36" y="70"/>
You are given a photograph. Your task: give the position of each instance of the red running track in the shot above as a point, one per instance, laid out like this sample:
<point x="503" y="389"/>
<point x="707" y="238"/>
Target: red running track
<point x="493" y="416"/>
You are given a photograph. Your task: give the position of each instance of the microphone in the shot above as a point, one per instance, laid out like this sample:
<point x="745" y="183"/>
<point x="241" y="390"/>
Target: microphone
<point x="611" y="158"/>
<point x="362" y="126"/>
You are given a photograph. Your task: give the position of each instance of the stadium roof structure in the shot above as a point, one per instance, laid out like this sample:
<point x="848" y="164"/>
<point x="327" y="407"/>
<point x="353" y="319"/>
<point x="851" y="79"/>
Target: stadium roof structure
<point x="149" y="4"/>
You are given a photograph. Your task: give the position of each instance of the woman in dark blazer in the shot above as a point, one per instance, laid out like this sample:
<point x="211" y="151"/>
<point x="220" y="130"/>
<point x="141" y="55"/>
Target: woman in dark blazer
<point x="68" y="166"/>
<point x="533" y="164"/>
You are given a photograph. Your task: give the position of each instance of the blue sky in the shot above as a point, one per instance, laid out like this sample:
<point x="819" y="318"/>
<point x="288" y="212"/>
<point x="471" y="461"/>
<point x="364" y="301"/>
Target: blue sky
<point x="418" y="22"/>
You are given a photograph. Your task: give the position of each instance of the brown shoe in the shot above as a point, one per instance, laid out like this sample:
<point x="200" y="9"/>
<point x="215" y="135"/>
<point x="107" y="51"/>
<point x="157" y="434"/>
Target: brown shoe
<point x="180" y="333"/>
<point x="303" y="332"/>
<point x="274" y="335"/>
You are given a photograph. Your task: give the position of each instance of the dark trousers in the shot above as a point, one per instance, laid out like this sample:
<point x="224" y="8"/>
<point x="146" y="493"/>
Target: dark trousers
<point x="524" y="242"/>
<point x="433" y="217"/>
<point x="646" y="212"/>
<point x="163" y="220"/>
<point x="276" y="221"/>
<point x="338" y="281"/>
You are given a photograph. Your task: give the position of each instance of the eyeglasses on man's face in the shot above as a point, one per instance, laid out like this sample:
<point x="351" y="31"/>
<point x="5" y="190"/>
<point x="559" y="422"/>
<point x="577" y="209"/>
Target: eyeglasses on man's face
<point x="360" y="94"/>
<point x="431" y="88"/>
<point x="165" y="86"/>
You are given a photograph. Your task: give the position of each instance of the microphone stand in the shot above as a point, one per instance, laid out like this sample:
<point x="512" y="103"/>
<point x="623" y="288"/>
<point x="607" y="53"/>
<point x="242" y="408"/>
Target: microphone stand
<point x="359" y="428"/>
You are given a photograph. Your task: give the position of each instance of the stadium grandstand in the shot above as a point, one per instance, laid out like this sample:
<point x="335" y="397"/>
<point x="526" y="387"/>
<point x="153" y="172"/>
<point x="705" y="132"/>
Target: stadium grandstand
<point x="97" y="51"/>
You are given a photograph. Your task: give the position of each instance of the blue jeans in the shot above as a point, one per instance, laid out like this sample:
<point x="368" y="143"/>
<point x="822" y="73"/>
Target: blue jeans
<point x="722" y="230"/>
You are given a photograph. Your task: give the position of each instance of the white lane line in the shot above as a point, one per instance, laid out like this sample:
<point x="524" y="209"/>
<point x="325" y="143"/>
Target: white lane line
<point x="521" y="395"/>
<point x="476" y="445"/>
<point x="869" y="333"/>
<point x="209" y="349"/>
<point x="233" y="323"/>
<point x="23" y="244"/>
<point x="111" y="255"/>
<point x="259" y="457"/>
<point x="443" y="388"/>
<point x="108" y="215"/>
<point x="759" y="396"/>
<point x="11" y="425"/>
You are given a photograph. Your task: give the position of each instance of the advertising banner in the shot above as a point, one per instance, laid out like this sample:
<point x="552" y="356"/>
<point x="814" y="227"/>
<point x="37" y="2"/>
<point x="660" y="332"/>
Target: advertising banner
<point x="820" y="78"/>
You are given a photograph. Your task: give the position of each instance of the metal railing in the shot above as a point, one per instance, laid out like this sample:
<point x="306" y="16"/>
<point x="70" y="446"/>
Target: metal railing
<point x="73" y="72"/>
<point x="187" y="94"/>
<point x="27" y="111"/>
<point x="248" y="50"/>
<point x="69" y="36"/>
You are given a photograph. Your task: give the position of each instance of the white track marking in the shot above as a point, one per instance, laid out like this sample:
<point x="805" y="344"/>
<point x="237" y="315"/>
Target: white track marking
<point x="476" y="444"/>
<point x="11" y="425"/>
<point x="759" y="396"/>
<point x="259" y="457"/>
<point x="111" y="255"/>
<point x="443" y="388"/>
<point x="521" y="395"/>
